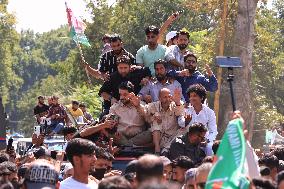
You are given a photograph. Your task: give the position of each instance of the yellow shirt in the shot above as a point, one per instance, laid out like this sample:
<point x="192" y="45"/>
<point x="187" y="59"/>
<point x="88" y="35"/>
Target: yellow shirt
<point x="75" y="113"/>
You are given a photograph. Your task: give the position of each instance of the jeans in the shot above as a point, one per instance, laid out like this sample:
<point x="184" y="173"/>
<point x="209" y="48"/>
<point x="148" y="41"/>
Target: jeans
<point x="56" y="126"/>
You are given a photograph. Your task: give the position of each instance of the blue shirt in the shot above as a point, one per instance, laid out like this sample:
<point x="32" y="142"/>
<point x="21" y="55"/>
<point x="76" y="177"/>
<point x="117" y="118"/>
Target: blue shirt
<point x="210" y="83"/>
<point x="153" y="89"/>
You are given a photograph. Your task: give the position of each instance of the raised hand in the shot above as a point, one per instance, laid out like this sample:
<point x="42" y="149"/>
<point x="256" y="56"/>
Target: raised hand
<point x="144" y="81"/>
<point x="177" y="96"/>
<point x="135" y="100"/>
<point x="208" y="70"/>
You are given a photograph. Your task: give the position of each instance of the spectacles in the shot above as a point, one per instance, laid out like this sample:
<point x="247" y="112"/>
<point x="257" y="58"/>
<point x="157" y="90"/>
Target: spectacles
<point x="201" y="185"/>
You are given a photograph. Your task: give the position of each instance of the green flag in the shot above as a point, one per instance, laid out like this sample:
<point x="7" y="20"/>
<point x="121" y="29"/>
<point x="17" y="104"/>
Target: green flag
<point x="227" y="172"/>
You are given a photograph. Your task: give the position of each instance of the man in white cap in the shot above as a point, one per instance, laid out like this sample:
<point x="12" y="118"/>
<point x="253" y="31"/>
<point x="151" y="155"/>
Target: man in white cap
<point x="171" y="38"/>
<point x="175" y="53"/>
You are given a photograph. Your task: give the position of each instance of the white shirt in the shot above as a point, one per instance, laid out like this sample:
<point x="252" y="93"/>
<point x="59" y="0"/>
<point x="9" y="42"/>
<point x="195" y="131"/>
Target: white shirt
<point x="206" y="116"/>
<point x="71" y="183"/>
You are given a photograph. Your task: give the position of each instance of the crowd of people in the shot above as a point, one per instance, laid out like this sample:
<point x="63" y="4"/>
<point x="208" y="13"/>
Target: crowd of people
<point x="156" y="99"/>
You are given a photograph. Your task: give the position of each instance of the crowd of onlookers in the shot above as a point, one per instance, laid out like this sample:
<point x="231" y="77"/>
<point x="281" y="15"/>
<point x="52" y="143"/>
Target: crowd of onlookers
<point x="157" y="100"/>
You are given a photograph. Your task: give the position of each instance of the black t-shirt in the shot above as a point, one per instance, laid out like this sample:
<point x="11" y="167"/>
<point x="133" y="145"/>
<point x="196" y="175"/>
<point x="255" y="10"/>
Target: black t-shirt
<point x="42" y="109"/>
<point x="135" y="77"/>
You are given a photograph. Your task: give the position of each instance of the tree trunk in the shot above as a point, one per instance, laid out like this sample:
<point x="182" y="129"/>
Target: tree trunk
<point x="242" y="47"/>
<point x="2" y="127"/>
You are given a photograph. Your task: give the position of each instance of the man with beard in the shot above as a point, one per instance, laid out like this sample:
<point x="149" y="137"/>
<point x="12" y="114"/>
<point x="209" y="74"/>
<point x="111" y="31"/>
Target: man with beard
<point x="174" y="54"/>
<point x="148" y="54"/>
<point x="58" y="116"/>
<point x="131" y="125"/>
<point x="81" y="154"/>
<point x="162" y="115"/>
<point x="108" y="61"/>
<point x="40" y="109"/>
<point x="109" y="90"/>
<point x="190" y="76"/>
<point x="150" y="92"/>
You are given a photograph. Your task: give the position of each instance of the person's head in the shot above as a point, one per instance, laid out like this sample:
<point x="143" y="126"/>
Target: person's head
<point x="106" y="38"/>
<point x="196" y="133"/>
<point x="280" y="180"/>
<point x="190" y="178"/>
<point x="149" y="167"/>
<point x="190" y="62"/>
<point x="196" y="94"/>
<point x="171" y="38"/>
<point x="68" y="132"/>
<point x="4" y="157"/>
<point x="81" y="154"/>
<point x="130" y="172"/>
<point x="124" y="89"/>
<point x="5" y="184"/>
<point x="202" y="173"/>
<point x="168" y="168"/>
<point x="83" y="107"/>
<point x="75" y="105"/>
<point x="114" y="182"/>
<point x="262" y="183"/>
<point x="270" y="161"/>
<point x="55" y="100"/>
<point x="68" y="171"/>
<point x="165" y="97"/>
<point x="49" y="101"/>
<point x="9" y="171"/>
<point x="123" y="65"/>
<point x="158" y="185"/>
<point x="41" y="174"/>
<point x="182" y="164"/>
<point x="40" y="100"/>
<point x="103" y="164"/>
<point x="152" y="35"/>
<point x="116" y="44"/>
<point x="279" y="153"/>
<point x="160" y="69"/>
<point x="182" y="39"/>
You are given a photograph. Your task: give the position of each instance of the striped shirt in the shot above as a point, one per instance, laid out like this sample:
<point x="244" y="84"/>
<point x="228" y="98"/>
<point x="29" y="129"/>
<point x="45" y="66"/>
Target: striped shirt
<point x="108" y="61"/>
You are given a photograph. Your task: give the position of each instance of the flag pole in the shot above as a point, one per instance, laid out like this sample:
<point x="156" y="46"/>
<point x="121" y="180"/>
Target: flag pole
<point x="78" y="44"/>
<point x="84" y="61"/>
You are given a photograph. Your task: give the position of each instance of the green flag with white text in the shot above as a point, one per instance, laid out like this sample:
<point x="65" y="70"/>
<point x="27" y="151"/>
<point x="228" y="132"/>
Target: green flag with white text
<point x="227" y="172"/>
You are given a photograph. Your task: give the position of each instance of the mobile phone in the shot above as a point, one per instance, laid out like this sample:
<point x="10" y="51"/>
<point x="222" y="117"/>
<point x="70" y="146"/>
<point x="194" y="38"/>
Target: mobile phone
<point x="37" y="130"/>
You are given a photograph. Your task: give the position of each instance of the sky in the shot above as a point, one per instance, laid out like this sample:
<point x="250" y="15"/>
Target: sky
<point x="44" y="15"/>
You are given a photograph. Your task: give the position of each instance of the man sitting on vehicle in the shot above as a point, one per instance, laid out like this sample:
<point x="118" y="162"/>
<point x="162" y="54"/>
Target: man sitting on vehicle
<point x="76" y="112"/>
<point x="189" y="144"/>
<point x="109" y="90"/>
<point x="58" y="116"/>
<point x="41" y="109"/>
<point x="150" y="92"/>
<point x="197" y="112"/>
<point x="131" y="125"/>
<point x="163" y="116"/>
<point x="87" y="114"/>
